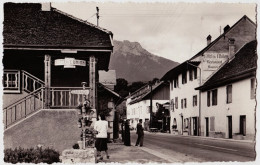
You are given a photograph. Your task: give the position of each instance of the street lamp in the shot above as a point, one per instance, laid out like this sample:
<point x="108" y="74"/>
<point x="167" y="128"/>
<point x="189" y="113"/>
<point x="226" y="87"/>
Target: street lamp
<point x="151" y="102"/>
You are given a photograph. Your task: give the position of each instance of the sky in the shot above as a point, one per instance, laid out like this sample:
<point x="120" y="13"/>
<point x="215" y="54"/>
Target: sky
<point x="173" y="30"/>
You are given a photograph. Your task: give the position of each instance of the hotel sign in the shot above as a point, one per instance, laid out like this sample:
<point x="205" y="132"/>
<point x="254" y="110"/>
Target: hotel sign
<point x="69" y="62"/>
<point x="80" y="92"/>
<point x="212" y="60"/>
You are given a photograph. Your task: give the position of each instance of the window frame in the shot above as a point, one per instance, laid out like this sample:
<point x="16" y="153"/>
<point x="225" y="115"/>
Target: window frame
<point x="229" y="94"/>
<point x="208" y="98"/>
<point x="195" y="100"/>
<point x="214" y="97"/>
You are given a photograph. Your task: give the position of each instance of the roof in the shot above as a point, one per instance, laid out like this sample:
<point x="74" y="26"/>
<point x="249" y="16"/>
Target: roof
<point x="175" y="70"/>
<point x="27" y="26"/>
<point x="242" y="66"/>
<point x="144" y="91"/>
<point x="109" y="90"/>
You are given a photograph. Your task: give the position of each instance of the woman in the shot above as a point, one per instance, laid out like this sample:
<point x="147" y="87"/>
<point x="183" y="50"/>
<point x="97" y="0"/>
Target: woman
<point x="101" y="126"/>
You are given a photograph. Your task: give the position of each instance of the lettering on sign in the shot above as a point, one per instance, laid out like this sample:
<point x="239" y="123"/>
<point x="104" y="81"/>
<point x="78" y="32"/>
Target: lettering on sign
<point x="80" y="92"/>
<point x="213" y="60"/>
<point x="69" y="62"/>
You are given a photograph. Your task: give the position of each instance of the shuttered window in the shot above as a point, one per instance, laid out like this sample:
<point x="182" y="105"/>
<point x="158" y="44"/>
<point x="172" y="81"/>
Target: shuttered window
<point x="176" y="102"/>
<point x="214" y="97"/>
<point x="253" y="88"/>
<point x="208" y="98"/>
<point x="212" y="123"/>
<point x="194" y="101"/>
<point x="229" y="94"/>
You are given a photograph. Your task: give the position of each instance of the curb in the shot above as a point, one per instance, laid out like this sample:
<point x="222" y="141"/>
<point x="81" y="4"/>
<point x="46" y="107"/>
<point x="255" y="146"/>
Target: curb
<point x="203" y="137"/>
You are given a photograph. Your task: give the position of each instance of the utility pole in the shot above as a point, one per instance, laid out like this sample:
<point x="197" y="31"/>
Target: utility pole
<point x="151" y="103"/>
<point x="97" y="15"/>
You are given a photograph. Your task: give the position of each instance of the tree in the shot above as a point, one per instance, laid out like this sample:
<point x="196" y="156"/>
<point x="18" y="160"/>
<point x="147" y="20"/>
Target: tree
<point x="135" y="85"/>
<point x="121" y="87"/>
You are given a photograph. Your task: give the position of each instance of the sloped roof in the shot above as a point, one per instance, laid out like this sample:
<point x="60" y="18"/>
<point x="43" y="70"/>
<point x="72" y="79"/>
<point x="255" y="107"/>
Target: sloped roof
<point x="143" y="92"/>
<point x="26" y="25"/>
<point x="243" y="65"/>
<point x="176" y="69"/>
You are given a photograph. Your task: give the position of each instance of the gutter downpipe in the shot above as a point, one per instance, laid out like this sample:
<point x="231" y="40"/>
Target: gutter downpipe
<point x="199" y="97"/>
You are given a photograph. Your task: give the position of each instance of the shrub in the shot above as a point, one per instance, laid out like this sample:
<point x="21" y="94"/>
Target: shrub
<point x="32" y="155"/>
<point x="75" y="146"/>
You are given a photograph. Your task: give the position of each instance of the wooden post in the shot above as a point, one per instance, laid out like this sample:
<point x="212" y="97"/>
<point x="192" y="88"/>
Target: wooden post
<point x="47" y="76"/>
<point x="92" y="81"/>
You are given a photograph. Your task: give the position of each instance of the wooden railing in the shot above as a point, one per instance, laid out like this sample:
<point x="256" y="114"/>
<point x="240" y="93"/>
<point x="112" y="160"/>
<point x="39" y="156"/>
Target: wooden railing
<point x="19" y="110"/>
<point x="30" y="82"/>
<point x="63" y="97"/>
<point x="11" y="81"/>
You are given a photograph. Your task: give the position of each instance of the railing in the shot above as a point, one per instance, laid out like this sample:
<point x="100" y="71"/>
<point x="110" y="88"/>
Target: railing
<point x="11" y="81"/>
<point x="19" y="110"/>
<point x="30" y="82"/>
<point x="63" y="97"/>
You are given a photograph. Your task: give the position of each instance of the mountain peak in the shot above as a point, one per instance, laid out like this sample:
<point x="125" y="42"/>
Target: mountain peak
<point x="134" y="63"/>
<point x="129" y="47"/>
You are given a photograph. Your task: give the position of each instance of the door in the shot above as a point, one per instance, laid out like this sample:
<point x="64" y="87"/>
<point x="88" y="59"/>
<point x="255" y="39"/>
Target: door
<point x="243" y="125"/>
<point x="207" y="126"/>
<point x="230" y="127"/>
<point x="195" y="126"/>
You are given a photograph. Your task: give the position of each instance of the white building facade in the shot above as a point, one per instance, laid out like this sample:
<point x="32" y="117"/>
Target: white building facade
<point x="138" y="104"/>
<point x="187" y="105"/>
<point x="228" y="98"/>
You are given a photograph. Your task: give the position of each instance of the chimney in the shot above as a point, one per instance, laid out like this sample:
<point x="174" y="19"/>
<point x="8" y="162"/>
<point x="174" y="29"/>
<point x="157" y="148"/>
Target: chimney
<point x="46" y="6"/>
<point x="231" y="42"/>
<point x="208" y="40"/>
<point x="226" y="28"/>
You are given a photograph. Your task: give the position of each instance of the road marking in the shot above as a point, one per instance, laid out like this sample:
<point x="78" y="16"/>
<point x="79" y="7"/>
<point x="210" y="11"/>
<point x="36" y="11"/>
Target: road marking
<point x="216" y="147"/>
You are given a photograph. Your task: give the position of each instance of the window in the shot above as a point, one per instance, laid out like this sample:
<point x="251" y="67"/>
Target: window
<point x="229" y="94"/>
<point x="185" y="103"/>
<point x="194" y="101"/>
<point x="172" y="105"/>
<point x="195" y="73"/>
<point x="171" y="84"/>
<point x="253" y="88"/>
<point x="184" y="77"/>
<point x="181" y="103"/>
<point x="176" y="102"/>
<point x="176" y="82"/>
<point x="214" y="97"/>
<point x="190" y="75"/>
<point x="212" y="123"/>
<point x="208" y="98"/>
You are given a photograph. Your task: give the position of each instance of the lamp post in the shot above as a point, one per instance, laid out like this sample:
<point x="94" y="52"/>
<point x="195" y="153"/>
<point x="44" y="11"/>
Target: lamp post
<point x="151" y="102"/>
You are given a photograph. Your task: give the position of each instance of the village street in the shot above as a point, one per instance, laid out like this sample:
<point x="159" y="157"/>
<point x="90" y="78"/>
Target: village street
<point x="195" y="149"/>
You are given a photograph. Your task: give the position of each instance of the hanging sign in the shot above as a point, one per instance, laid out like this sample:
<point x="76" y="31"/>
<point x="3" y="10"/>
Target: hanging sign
<point x="80" y="92"/>
<point x="69" y="62"/>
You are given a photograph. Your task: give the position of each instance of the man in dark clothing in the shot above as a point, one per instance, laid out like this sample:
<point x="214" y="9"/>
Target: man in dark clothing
<point x="140" y="133"/>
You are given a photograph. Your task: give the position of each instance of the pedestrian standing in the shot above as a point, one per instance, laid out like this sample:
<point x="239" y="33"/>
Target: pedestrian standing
<point x="140" y="133"/>
<point x="101" y="126"/>
<point x="127" y="139"/>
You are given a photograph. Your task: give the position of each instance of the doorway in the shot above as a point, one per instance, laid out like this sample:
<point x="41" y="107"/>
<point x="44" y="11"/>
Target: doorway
<point x="229" y="127"/>
<point x="243" y="125"/>
<point x="207" y="126"/>
<point x="195" y="126"/>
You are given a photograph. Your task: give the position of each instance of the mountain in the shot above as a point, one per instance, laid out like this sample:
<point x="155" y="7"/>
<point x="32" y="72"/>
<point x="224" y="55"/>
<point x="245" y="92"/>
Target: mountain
<point x="133" y="63"/>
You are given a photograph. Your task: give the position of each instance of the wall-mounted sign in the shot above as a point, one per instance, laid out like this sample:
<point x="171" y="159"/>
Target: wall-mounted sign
<point x="69" y="62"/>
<point x="212" y="60"/>
<point x="80" y="92"/>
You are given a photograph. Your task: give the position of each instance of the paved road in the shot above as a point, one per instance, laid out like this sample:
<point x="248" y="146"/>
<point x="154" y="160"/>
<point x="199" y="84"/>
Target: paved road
<point x="196" y="149"/>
